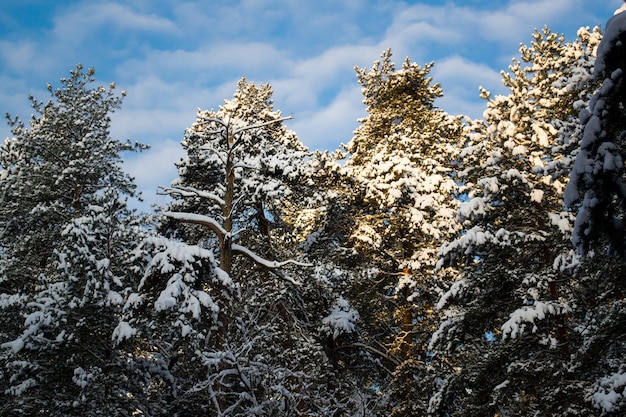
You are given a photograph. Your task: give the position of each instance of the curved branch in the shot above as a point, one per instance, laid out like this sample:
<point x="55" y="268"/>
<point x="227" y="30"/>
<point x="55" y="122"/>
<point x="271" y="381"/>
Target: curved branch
<point x="207" y="120"/>
<point x="266" y="263"/>
<point x="198" y="219"/>
<point x="383" y="355"/>
<point x="236" y="134"/>
<point x="180" y="191"/>
<point x="256" y="125"/>
<point x="272" y="266"/>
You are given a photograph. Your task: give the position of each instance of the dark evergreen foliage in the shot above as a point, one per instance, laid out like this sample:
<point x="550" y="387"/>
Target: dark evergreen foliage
<point x="66" y="238"/>
<point x="424" y="269"/>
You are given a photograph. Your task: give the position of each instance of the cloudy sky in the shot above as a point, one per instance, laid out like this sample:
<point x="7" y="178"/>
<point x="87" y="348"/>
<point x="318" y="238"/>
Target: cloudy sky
<point x="175" y="56"/>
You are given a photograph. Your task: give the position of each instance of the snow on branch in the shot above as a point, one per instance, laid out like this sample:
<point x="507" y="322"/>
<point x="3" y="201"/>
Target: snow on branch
<point x="609" y="48"/>
<point x="207" y="120"/>
<point x="122" y="332"/>
<point x="198" y="219"/>
<point x="240" y="130"/>
<point x="272" y="265"/>
<point x="609" y="395"/>
<point x="265" y="262"/>
<point x="257" y="125"/>
<point x="341" y="320"/>
<point x="181" y="191"/>
<point x="529" y="315"/>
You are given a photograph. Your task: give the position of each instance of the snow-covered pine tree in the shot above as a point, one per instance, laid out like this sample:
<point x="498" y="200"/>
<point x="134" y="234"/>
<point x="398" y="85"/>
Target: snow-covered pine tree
<point x="70" y="321"/>
<point x="597" y="174"/>
<point x="66" y="238"/>
<point x="231" y="330"/>
<point x="597" y="189"/>
<point x="507" y="331"/>
<point x="396" y="207"/>
<point x="323" y="225"/>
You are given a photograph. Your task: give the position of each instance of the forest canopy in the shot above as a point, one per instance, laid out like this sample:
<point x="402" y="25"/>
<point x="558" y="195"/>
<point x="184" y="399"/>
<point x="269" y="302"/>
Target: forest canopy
<point x="434" y="265"/>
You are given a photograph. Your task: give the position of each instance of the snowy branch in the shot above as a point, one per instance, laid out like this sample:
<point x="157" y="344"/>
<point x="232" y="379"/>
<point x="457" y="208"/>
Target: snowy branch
<point x="257" y="125"/>
<point x="378" y="352"/>
<point x="208" y="120"/>
<point x="198" y="219"/>
<point x="265" y="262"/>
<point x="210" y="150"/>
<point x="244" y="165"/>
<point x="180" y="191"/>
<point x="236" y="203"/>
<point x="271" y="265"/>
<point x="240" y="130"/>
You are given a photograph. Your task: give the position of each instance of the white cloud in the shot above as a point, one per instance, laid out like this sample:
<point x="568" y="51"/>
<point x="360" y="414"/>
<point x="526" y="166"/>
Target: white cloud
<point x="209" y="63"/>
<point x="328" y="66"/>
<point x="314" y="82"/>
<point x="80" y="20"/>
<point x="493" y="33"/>
<point x="154" y="168"/>
<point x="155" y="109"/>
<point x="460" y="80"/>
<point x="328" y="126"/>
<point x="173" y="58"/>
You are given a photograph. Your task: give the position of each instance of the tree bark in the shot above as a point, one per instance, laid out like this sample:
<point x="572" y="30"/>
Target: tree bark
<point x="226" y="245"/>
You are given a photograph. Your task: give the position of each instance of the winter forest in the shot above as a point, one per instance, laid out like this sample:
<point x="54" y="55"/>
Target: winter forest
<point x="434" y="265"/>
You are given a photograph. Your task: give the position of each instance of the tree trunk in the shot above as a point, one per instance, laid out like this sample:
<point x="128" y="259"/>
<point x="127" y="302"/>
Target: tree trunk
<point x="226" y="251"/>
<point x="407" y="320"/>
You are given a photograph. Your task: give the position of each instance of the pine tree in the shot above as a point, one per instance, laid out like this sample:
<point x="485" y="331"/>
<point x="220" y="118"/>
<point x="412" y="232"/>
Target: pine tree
<point x="507" y="328"/>
<point x="393" y="204"/>
<point x="66" y="239"/>
<point x="596" y="189"/>
<point x="322" y="225"/>
<point x="230" y="330"/>
<point x="54" y="166"/>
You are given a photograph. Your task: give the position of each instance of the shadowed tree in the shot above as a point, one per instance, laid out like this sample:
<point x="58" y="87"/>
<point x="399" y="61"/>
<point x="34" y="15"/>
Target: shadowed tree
<point x="65" y="238"/>
<point x="598" y="190"/>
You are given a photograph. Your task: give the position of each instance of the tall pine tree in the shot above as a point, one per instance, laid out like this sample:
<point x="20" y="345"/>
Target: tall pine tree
<point x="393" y="204"/>
<point x="66" y="241"/>
<point x="230" y="329"/>
<point x="507" y="331"/>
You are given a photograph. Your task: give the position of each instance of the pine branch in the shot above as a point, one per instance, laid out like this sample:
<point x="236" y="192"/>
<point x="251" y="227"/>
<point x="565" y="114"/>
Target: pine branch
<point x="271" y="265"/>
<point x="198" y="219"/>
<point x="239" y="132"/>
<point x="257" y="125"/>
<point x="265" y="262"/>
<point x="180" y="191"/>
<point x="383" y="355"/>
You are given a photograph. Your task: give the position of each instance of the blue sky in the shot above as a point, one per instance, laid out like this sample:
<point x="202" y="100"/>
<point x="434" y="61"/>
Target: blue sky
<point x="175" y="56"/>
